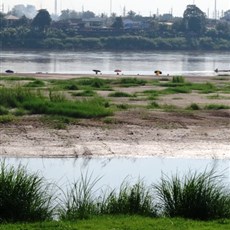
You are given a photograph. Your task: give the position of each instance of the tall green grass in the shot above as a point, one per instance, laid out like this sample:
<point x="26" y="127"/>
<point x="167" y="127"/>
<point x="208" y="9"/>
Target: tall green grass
<point x="196" y="196"/>
<point x="80" y="201"/>
<point x="23" y="196"/>
<point x="129" y="82"/>
<point x="54" y="104"/>
<point x="27" y="197"/>
<point x="134" y="199"/>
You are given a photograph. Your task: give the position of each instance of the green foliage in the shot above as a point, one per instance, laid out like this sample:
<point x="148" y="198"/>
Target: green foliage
<point x="153" y="105"/>
<point x="129" y="82"/>
<point x="35" y="83"/>
<point x="6" y="118"/>
<point x="3" y="110"/>
<point x="216" y="107"/>
<point x="42" y="20"/>
<point x="13" y="97"/>
<point x="85" y="93"/>
<point x="178" y="79"/>
<point x="23" y="196"/>
<point x="95" y="83"/>
<point x="196" y="196"/>
<point x="95" y="107"/>
<point x="80" y="201"/>
<point x="119" y="94"/>
<point x="194" y="106"/>
<point x="123" y="222"/>
<point x="131" y="200"/>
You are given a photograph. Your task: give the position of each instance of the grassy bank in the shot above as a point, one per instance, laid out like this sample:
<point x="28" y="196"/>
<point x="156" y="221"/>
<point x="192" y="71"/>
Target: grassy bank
<point x="27" y="197"/>
<point x="124" y="223"/>
<point x="93" y="97"/>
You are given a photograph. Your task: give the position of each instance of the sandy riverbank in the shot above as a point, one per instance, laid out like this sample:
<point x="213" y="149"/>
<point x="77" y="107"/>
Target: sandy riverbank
<point x="136" y="132"/>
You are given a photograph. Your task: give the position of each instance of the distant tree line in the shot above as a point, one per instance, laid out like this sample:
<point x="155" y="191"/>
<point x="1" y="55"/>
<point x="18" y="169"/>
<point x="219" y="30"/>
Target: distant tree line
<point x="192" y="31"/>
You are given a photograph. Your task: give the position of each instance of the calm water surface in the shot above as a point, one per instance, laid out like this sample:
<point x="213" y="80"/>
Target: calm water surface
<point x="186" y="63"/>
<point x="115" y="170"/>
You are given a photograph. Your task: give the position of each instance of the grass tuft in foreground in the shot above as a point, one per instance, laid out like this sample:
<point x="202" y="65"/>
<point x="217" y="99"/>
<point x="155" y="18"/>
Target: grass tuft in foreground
<point x="23" y="196"/>
<point x="134" y="199"/>
<point x="196" y="196"/>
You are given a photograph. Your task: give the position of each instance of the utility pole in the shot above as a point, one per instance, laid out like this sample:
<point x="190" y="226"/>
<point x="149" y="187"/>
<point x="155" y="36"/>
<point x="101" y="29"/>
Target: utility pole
<point x="55" y="7"/>
<point x="111" y="5"/>
<point x="215" y="12"/>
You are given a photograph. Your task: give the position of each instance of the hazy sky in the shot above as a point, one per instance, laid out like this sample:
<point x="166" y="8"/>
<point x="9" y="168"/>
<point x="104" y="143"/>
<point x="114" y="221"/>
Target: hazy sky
<point x="144" y="7"/>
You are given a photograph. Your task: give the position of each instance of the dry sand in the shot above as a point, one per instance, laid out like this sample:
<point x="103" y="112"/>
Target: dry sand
<point x="136" y="132"/>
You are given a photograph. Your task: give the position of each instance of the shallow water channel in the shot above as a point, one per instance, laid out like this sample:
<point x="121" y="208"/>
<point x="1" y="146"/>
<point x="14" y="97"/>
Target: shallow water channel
<point x="113" y="171"/>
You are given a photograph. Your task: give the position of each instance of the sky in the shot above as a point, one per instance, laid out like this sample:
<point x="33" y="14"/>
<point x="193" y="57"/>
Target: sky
<point x="143" y="7"/>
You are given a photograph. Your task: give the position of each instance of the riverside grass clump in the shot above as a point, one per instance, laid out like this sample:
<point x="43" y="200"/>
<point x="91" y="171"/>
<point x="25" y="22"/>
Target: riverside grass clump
<point x="136" y="199"/>
<point x="80" y="201"/>
<point x="199" y="196"/>
<point x="55" y="104"/>
<point x="26" y="197"/>
<point x="23" y="196"/>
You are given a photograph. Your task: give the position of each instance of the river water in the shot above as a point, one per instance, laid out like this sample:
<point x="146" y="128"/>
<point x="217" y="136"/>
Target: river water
<point x="182" y="63"/>
<point x="115" y="170"/>
<point x="64" y="171"/>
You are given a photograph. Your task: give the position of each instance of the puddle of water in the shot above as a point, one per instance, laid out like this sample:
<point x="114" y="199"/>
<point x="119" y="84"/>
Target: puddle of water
<point x="114" y="170"/>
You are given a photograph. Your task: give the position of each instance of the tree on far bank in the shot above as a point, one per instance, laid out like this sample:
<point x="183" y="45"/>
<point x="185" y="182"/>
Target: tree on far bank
<point x="42" y="20"/>
<point x="118" y="23"/>
<point x="194" y="20"/>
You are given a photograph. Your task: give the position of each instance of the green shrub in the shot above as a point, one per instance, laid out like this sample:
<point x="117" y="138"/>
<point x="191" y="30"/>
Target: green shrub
<point x="6" y="118"/>
<point x="119" y="94"/>
<point x="153" y="105"/>
<point x="35" y="83"/>
<point x="85" y="93"/>
<point x="216" y="107"/>
<point x="194" y="106"/>
<point x="178" y="79"/>
<point x="3" y="110"/>
<point x="128" y="82"/>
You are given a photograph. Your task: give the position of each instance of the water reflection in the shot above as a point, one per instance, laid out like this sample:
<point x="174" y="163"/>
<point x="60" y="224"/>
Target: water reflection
<point x="114" y="170"/>
<point x="193" y="63"/>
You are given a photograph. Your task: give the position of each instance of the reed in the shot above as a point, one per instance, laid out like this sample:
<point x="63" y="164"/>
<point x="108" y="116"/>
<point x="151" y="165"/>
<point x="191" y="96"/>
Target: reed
<point x="80" y="201"/>
<point x="23" y="196"/>
<point x="134" y="199"/>
<point x="197" y="196"/>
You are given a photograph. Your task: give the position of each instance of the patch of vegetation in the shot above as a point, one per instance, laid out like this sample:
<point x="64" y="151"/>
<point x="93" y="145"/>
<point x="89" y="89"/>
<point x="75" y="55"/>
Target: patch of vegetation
<point x="3" y="110"/>
<point x="216" y="107"/>
<point x="178" y="79"/>
<point x="122" y="106"/>
<point x="95" y="107"/>
<point x="57" y="122"/>
<point x="6" y="118"/>
<point x="80" y="202"/>
<point x="24" y="196"/>
<point x="35" y="83"/>
<point x="119" y="94"/>
<point x="129" y="82"/>
<point x="153" y="105"/>
<point x="65" y="84"/>
<point x="85" y="93"/>
<point x="56" y="104"/>
<point x="196" y="196"/>
<point x="193" y="106"/>
<point x="16" y="78"/>
<point x="123" y="222"/>
<point x="95" y="83"/>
